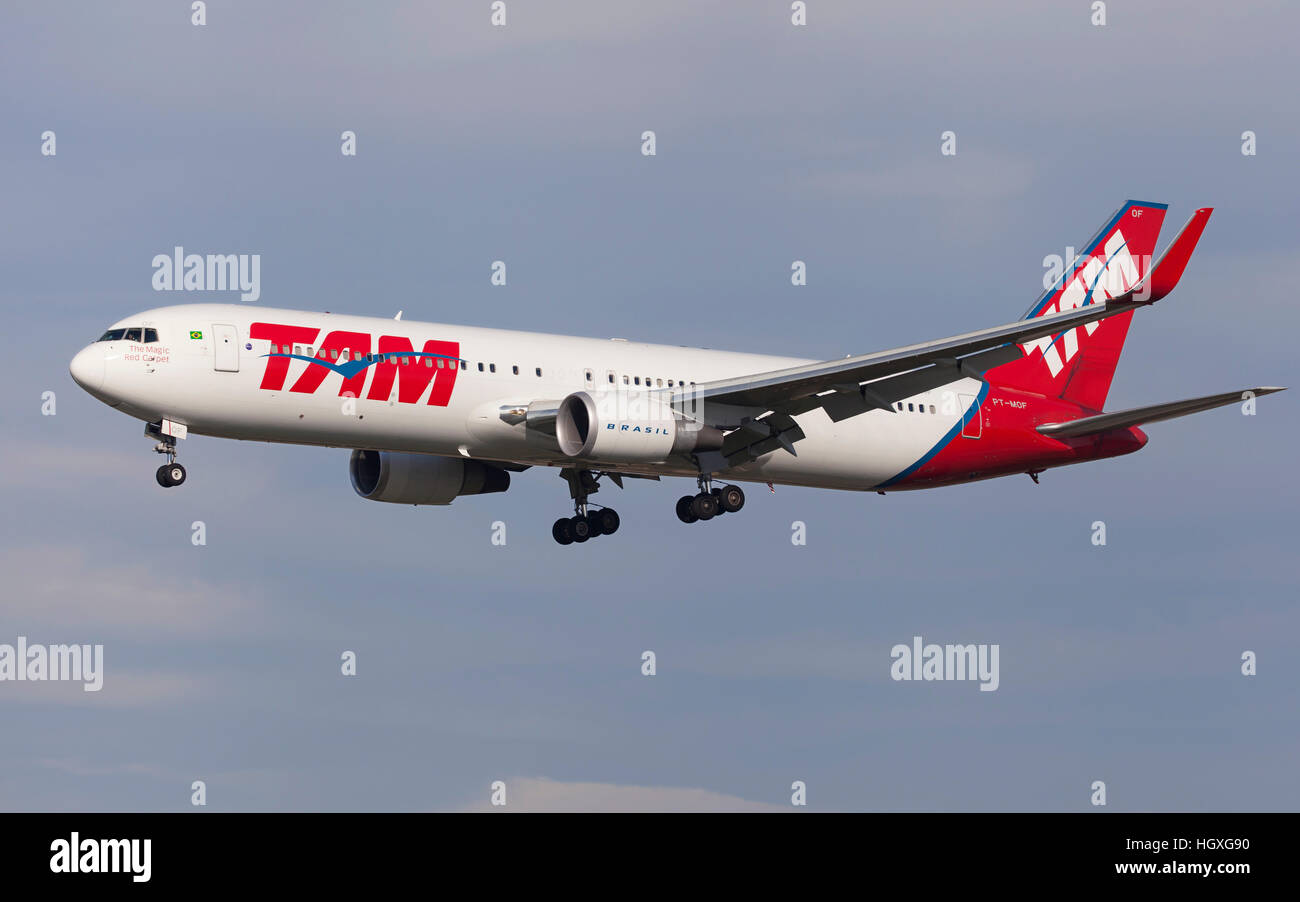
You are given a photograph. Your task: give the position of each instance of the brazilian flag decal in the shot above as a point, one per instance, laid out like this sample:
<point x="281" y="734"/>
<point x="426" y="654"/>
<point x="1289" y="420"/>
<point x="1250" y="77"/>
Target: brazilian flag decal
<point x="196" y="335"/>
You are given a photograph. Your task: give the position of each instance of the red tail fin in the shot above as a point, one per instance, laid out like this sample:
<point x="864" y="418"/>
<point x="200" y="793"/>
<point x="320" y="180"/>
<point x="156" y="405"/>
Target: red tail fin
<point x="1078" y="364"/>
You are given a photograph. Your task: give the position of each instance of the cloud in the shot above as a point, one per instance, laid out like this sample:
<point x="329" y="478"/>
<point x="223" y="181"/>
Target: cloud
<point x="540" y="794"/>
<point x="119" y="690"/>
<point x="80" y="767"/>
<point x="24" y="465"/>
<point x="56" y="594"/>
<point x="969" y="175"/>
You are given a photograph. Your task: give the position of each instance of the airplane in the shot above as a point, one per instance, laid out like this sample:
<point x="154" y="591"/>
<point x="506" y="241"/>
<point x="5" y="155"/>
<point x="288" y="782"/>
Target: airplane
<point x="439" y="411"/>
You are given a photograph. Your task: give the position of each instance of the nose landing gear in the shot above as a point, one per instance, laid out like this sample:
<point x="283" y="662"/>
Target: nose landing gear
<point x="171" y="473"/>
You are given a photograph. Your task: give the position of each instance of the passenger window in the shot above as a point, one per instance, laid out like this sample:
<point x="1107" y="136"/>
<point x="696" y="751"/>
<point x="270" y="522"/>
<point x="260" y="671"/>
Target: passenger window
<point x="637" y="380"/>
<point x="910" y="407"/>
<point x="515" y="369"/>
<point x="625" y="380"/>
<point x="492" y="367"/>
<point x="931" y="408"/>
<point x="297" y="349"/>
<point x="588" y="375"/>
<point x="442" y="364"/>
<point x="334" y="353"/>
<point x="539" y="372"/>
<point x="480" y="367"/>
<point x="670" y="383"/>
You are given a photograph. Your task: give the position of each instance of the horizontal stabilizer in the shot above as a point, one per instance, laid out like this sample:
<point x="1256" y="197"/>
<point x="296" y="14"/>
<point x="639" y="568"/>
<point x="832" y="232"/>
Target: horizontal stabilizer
<point x="1121" y="419"/>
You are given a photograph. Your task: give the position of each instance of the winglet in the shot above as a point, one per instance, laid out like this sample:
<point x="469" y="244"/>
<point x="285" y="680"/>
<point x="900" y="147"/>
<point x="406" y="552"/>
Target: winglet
<point x="1169" y="268"/>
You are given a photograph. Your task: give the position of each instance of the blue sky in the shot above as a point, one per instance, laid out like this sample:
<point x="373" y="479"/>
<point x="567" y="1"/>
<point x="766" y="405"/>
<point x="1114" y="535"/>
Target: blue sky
<point x="522" y="663"/>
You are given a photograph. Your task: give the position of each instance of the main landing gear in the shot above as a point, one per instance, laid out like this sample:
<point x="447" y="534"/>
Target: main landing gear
<point x="585" y="523"/>
<point x="588" y="522"/>
<point x="710" y="502"/>
<point x="171" y="473"/>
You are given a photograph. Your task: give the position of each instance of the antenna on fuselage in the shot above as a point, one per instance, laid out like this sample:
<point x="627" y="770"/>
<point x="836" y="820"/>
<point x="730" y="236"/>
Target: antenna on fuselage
<point x="399" y="315"/>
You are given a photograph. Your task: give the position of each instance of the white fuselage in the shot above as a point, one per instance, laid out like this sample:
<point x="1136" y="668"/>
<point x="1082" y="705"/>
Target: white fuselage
<point x="216" y="384"/>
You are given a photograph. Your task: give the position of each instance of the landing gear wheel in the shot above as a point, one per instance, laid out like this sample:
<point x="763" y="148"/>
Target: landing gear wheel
<point x="594" y="524"/>
<point x="607" y="518"/>
<point x="704" y="506"/>
<point x="562" y="531"/>
<point x="717" y="496"/>
<point x="580" y="528"/>
<point x="731" y="498"/>
<point x="686" y="509"/>
<point x="170" y="475"/>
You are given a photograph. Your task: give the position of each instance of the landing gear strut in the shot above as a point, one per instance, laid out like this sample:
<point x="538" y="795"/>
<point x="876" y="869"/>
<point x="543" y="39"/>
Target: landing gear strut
<point x="585" y="523"/>
<point x="710" y="502"/>
<point x="171" y="473"/>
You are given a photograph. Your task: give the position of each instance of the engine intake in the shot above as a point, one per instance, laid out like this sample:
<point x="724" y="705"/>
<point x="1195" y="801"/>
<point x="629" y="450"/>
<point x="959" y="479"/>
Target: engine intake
<point x="421" y="478"/>
<point x="635" y="427"/>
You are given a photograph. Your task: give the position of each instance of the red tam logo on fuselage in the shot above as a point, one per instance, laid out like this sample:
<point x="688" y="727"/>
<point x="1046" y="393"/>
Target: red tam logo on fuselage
<point x="350" y="355"/>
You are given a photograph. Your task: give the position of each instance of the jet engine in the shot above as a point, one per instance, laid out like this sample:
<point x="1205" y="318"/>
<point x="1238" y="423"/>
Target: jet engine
<point x="631" y="427"/>
<point x="421" y="478"/>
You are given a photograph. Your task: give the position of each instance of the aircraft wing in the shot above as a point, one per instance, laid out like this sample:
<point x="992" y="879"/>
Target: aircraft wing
<point x="779" y="389"/>
<point x="763" y="405"/>
<point x="1120" y="419"/>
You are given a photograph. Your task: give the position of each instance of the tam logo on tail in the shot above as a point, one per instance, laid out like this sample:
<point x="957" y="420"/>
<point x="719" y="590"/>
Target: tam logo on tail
<point x="1099" y="279"/>
<point x="1078" y="364"/>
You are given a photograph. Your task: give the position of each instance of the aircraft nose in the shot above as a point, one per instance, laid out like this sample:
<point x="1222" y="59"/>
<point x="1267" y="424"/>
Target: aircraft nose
<point x="87" y="368"/>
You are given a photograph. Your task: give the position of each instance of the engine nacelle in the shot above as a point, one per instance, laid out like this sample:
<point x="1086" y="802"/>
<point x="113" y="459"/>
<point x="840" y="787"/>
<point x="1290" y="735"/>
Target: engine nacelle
<point x="633" y="427"/>
<point x="421" y="478"/>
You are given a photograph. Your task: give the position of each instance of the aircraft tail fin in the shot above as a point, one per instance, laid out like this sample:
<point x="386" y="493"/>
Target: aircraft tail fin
<point x="1079" y="364"/>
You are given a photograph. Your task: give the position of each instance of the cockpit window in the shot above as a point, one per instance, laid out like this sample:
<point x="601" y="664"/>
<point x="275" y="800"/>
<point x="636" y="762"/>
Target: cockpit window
<point x="131" y="334"/>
